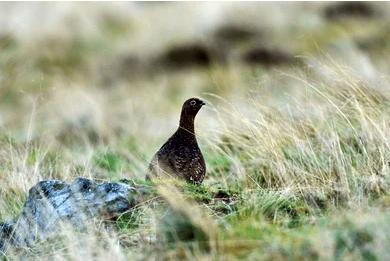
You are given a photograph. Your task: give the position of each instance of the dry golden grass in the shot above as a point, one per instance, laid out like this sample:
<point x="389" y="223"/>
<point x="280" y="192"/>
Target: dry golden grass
<point x="298" y="156"/>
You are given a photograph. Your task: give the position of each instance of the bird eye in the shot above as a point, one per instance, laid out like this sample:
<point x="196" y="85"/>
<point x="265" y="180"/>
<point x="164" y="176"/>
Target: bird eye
<point x="193" y="102"/>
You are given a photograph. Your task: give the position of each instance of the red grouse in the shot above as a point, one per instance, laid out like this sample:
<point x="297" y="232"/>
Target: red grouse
<point x="180" y="156"/>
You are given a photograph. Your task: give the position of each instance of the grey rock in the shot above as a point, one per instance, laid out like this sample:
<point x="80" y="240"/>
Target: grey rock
<point x="51" y="202"/>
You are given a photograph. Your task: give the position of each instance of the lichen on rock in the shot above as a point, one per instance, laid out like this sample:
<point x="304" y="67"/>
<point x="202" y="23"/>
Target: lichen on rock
<point x="52" y="202"/>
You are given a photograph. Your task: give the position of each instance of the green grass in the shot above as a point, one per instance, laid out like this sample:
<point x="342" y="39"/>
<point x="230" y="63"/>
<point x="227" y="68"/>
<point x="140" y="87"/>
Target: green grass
<point x="297" y="158"/>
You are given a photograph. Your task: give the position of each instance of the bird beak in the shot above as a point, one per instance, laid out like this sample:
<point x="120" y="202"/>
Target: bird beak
<point x="203" y="103"/>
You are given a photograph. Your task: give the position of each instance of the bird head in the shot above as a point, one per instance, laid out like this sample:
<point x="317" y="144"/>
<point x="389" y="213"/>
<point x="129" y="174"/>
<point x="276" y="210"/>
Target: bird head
<point x="192" y="106"/>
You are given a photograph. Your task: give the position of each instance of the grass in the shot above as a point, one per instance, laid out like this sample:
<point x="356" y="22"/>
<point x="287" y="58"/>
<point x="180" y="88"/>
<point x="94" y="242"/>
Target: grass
<point x="298" y="158"/>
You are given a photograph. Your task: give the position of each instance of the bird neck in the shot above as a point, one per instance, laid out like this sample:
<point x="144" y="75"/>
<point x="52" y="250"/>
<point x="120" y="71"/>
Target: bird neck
<point x="187" y="123"/>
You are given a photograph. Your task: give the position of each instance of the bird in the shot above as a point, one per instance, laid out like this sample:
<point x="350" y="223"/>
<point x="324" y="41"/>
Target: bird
<point x="180" y="156"/>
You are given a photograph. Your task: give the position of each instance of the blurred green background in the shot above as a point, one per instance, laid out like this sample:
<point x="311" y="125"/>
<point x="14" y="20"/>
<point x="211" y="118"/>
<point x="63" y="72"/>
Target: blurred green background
<point x="295" y="134"/>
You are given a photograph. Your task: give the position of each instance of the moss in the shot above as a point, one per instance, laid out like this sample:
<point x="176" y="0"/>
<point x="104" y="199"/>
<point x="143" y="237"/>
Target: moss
<point x="198" y="193"/>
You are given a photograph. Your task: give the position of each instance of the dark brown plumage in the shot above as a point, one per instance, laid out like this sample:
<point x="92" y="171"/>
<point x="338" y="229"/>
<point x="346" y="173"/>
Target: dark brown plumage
<point x="180" y="156"/>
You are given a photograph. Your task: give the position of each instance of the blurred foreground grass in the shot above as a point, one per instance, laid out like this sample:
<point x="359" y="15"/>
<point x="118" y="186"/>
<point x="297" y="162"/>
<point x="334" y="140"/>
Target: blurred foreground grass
<point x="298" y="155"/>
